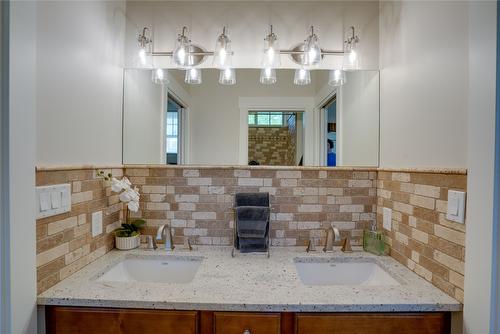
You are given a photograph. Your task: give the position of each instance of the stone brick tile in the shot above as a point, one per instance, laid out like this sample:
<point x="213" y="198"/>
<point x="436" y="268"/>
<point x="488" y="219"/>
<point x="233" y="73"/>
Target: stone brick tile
<point x="61" y="225"/>
<point x="438" y="180"/>
<point x="449" y="234"/>
<point x="82" y="197"/>
<point x="449" y="262"/>
<point x="422" y="201"/>
<point x="52" y="254"/>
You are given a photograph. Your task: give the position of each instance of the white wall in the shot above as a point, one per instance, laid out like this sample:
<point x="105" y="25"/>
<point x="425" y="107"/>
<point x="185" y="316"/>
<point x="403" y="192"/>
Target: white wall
<point x="358" y="118"/>
<point x="79" y="79"/>
<point x="248" y="24"/>
<point x="143" y="119"/>
<point x="480" y="150"/>
<point x="423" y="83"/>
<point x="21" y="167"/>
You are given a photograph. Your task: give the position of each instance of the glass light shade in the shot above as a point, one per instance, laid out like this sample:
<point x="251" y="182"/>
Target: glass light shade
<point x="350" y="60"/>
<point x="223" y="54"/>
<point x="302" y="77"/>
<point x="159" y="76"/>
<point x="312" y="51"/>
<point x="144" y="58"/>
<point x="271" y="57"/>
<point x="227" y="76"/>
<point x="180" y="55"/>
<point x="193" y="76"/>
<point x="268" y="76"/>
<point x="337" y="78"/>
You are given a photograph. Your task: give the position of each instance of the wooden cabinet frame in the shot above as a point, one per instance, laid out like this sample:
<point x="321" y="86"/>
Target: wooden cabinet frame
<point x="78" y="320"/>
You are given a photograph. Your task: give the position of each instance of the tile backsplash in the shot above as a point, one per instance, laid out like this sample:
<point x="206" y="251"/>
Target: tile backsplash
<point x="421" y="237"/>
<point x="198" y="202"/>
<point x="64" y="242"/>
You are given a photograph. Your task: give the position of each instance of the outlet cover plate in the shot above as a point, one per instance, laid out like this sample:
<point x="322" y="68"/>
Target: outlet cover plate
<point x="96" y="223"/>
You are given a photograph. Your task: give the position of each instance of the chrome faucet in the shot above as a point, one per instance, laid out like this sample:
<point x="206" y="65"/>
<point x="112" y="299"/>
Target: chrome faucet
<point x="164" y="234"/>
<point x="332" y="233"/>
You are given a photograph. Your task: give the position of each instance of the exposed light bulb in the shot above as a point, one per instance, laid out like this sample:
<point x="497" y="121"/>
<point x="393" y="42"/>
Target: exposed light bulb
<point x="351" y="56"/>
<point x="312" y="49"/>
<point x="142" y="56"/>
<point x="181" y="55"/>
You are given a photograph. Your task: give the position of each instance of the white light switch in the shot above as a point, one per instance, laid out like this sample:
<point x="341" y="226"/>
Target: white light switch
<point x="456" y="206"/>
<point x="96" y="223"/>
<point x="45" y="201"/>
<point x="53" y="200"/>
<point x="387" y="221"/>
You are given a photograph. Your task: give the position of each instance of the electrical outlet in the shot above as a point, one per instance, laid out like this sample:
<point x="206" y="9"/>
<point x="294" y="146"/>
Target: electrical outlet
<point x="96" y="223"/>
<point x="387" y="221"/>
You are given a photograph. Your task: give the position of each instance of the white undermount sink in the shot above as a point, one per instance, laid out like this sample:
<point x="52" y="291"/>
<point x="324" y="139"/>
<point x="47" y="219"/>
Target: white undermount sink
<point x="321" y="272"/>
<point x="165" y="269"/>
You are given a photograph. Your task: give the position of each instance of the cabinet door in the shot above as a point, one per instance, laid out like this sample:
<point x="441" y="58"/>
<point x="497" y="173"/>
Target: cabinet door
<point x="248" y="323"/>
<point x="79" y="320"/>
<point x="375" y="323"/>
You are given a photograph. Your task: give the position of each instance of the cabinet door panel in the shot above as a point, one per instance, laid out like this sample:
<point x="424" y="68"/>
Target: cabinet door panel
<point x="78" y="320"/>
<point x="366" y="323"/>
<point x="255" y="323"/>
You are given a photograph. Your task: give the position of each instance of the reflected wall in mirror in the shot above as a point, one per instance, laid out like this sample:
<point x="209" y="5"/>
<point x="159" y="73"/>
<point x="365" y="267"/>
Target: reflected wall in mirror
<point x="280" y="124"/>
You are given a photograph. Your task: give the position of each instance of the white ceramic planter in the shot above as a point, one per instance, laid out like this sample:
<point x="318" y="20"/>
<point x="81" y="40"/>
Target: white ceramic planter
<point x="126" y="243"/>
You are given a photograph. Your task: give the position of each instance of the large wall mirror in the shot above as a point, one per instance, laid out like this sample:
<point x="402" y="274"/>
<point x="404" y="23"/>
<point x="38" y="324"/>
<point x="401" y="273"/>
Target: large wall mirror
<point x="281" y="124"/>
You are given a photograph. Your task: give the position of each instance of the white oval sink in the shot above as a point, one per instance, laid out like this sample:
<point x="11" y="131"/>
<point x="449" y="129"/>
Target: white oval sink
<point x="167" y="269"/>
<point x="342" y="273"/>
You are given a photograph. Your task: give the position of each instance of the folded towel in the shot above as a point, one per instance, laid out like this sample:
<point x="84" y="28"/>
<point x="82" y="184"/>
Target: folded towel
<point x="252" y="199"/>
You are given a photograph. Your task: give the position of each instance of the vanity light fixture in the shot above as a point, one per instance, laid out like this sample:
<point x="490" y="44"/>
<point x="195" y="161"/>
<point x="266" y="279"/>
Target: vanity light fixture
<point x="268" y="76"/>
<point x="159" y="76"/>
<point x="223" y="54"/>
<point x="227" y="76"/>
<point x="337" y="78"/>
<point x="302" y="77"/>
<point x="312" y="50"/>
<point x="144" y="46"/>
<point x="271" y="57"/>
<point x="351" y="57"/>
<point x="193" y="76"/>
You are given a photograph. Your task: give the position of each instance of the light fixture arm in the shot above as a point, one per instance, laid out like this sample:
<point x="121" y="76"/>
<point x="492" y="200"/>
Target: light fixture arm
<point x="353" y="39"/>
<point x="143" y="39"/>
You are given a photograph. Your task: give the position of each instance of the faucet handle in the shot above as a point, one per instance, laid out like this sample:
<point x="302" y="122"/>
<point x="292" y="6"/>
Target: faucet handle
<point x="346" y="245"/>
<point x="151" y="242"/>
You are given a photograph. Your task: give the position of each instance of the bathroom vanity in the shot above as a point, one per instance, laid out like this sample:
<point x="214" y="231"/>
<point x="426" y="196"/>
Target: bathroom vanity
<point x="208" y="291"/>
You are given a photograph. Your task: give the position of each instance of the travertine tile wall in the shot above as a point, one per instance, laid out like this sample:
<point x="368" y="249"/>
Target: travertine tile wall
<point x="64" y="242"/>
<point x="271" y="146"/>
<point x="199" y="202"/>
<point x="422" y="238"/>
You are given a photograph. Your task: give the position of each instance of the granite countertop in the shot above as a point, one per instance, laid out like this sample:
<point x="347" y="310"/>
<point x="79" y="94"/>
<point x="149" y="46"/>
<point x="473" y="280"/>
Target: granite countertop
<point x="249" y="282"/>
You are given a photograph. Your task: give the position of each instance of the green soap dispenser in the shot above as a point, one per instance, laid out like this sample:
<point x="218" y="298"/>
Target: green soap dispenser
<point x="373" y="242"/>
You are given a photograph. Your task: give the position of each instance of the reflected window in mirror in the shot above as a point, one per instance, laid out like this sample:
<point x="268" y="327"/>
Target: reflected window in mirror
<point x="172" y="131"/>
<point x="275" y="138"/>
<point x="330" y="125"/>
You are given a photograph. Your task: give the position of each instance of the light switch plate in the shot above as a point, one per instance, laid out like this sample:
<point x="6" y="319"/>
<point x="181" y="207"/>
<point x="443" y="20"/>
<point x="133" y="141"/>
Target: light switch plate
<point x="387" y="221"/>
<point x="53" y="200"/>
<point x="96" y="223"/>
<point x="456" y="206"/>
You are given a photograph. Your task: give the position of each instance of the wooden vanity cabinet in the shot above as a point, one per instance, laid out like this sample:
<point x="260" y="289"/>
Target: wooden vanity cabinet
<point x="83" y="320"/>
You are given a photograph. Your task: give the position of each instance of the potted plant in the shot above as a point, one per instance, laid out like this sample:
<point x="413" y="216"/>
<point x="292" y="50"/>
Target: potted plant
<point x="128" y="235"/>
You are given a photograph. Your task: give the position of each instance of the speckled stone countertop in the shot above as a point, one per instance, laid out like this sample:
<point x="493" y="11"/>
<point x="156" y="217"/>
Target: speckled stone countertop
<point x="249" y="282"/>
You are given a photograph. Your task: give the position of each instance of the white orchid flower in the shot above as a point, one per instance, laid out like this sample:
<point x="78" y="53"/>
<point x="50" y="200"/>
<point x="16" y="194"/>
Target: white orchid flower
<point x="116" y="185"/>
<point x="133" y="206"/>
